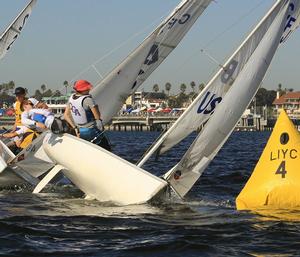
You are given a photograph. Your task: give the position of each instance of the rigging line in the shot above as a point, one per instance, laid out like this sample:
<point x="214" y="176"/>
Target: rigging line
<point x="234" y="24"/>
<point x="119" y="46"/>
<point x="212" y="58"/>
<point x="97" y="71"/>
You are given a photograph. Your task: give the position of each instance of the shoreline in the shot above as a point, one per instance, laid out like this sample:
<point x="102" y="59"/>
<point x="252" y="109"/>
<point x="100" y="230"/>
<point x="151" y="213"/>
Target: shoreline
<point x="162" y="123"/>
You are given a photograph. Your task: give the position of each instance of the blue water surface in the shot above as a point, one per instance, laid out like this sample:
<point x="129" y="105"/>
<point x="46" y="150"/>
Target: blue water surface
<point x="60" y="222"/>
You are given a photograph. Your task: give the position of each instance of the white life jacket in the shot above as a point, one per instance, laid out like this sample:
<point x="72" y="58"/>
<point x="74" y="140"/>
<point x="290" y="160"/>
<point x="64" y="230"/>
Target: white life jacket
<point x="79" y="114"/>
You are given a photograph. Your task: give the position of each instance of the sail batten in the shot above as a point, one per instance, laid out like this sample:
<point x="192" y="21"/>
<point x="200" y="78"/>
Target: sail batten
<point x="13" y="31"/>
<point x="239" y="95"/>
<point x="138" y="66"/>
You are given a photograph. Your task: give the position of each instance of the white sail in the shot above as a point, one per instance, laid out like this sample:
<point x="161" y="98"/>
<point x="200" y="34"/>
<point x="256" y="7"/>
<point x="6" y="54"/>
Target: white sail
<point x="203" y="107"/>
<point x="13" y="31"/>
<point x="122" y="81"/>
<point x="219" y="127"/>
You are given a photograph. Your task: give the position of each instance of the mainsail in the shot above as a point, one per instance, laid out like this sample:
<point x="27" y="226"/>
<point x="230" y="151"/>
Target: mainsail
<point x="240" y="93"/>
<point x="13" y="31"/>
<point x="122" y="81"/>
<point x="203" y="107"/>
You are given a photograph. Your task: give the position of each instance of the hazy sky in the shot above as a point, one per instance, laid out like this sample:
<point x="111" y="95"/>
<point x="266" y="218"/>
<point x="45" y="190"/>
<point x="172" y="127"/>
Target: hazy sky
<point x="64" y="37"/>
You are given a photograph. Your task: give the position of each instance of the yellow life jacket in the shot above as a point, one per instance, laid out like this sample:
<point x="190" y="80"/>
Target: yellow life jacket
<point x="18" y="113"/>
<point x="28" y="137"/>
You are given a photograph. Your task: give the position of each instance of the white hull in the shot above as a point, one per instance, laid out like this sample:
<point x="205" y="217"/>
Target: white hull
<point x="101" y="174"/>
<point x="8" y="177"/>
<point x="35" y="164"/>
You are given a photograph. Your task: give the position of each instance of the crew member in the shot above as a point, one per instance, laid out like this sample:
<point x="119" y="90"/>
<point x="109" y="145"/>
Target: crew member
<point x="38" y="119"/>
<point x="82" y="114"/>
<point x="18" y="106"/>
<point x="22" y="136"/>
<point x="18" y="136"/>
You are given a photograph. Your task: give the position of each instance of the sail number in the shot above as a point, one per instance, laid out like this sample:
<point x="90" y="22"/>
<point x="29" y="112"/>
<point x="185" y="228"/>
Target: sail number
<point x="210" y="100"/>
<point x="290" y="21"/>
<point x="184" y="19"/>
<point x="20" y="28"/>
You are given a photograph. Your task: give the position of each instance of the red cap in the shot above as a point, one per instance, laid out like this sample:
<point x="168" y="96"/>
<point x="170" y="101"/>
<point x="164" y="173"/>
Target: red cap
<point x="82" y="85"/>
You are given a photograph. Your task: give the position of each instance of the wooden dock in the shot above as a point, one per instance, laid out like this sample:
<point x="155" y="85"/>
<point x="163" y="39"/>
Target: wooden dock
<point x="163" y="122"/>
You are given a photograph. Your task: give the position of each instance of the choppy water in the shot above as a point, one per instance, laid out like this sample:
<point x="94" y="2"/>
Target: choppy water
<point x="61" y="223"/>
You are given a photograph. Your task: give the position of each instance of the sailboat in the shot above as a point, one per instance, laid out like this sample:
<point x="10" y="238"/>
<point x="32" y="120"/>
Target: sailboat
<point x="122" y="81"/>
<point x="214" y="108"/>
<point x="9" y="177"/>
<point x="272" y="30"/>
<point x="106" y="177"/>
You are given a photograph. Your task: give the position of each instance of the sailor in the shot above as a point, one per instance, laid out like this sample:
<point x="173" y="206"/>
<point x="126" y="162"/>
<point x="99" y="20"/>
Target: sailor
<point x="18" y="106"/>
<point x="20" y="93"/>
<point x="38" y="104"/>
<point x="35" y="118"/>
<point x="83" y="115"/>
<point x="18" y="136"/>
<point x="18" y="130"/>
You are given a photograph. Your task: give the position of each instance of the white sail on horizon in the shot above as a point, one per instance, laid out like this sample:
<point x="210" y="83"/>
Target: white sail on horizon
<point x="226" y="115"/>
<point x="10" y="35"/>
<point x="122" y="81"/>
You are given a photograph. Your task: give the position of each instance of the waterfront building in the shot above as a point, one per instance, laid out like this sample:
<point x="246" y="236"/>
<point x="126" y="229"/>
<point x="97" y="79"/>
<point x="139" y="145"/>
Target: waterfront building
<point x="57" y="103"/>
<point x="145" y="99"/>
<point x="290" y="102"/>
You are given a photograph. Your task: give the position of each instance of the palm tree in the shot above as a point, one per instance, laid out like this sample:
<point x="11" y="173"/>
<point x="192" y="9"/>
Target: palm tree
<point x="193" y="85"/>
<point x="43" y="87"/>
<point x="201" y="87"/>
<point x="182" y="88"/>
<point x="168" y="87"/>
<point x="155" y="88"/>
<point x="66" y="84"/>
<point x="5" y="87"/>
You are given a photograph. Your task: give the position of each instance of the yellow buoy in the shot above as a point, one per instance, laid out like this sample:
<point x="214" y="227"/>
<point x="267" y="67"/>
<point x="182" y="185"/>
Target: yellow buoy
<point x="275" y="181"/>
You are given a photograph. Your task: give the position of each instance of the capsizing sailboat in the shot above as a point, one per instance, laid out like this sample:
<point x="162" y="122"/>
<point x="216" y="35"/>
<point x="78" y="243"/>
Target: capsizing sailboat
<point x="114" y="179"/>
<point x="271" y="31"/>
<point x="122" y="81"/>
<point x="9" y="175"/>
